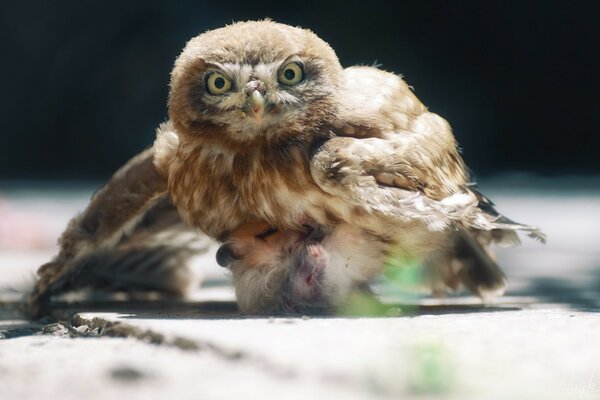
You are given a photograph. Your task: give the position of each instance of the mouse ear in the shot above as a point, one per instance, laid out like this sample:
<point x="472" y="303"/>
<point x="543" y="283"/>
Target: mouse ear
<point x="225" y="256"/>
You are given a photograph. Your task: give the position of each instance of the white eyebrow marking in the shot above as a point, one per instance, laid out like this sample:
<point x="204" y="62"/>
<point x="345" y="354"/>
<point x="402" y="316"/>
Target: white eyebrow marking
<point x="266" y="72"/>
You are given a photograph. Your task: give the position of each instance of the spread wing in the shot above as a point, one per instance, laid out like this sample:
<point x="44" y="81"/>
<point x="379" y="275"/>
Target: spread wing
<point x="118" y="223"/>
<point x="393" y="157"/>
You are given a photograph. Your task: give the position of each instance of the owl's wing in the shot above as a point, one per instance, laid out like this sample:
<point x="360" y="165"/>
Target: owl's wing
<point x="371" y="174"/>
<point x="401" y="134"/>
<point x="114" y="212"/>
<point x="393" y="157"/>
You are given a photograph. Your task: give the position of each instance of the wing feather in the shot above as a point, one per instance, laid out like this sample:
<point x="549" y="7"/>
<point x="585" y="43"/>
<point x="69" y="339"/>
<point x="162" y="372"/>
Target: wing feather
<point x="113" y="213"/>
<point x="393" y="157"/>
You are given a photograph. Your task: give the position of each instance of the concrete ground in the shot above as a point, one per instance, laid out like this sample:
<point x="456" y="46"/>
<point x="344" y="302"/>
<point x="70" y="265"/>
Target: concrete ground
<point x="540" y="341"/>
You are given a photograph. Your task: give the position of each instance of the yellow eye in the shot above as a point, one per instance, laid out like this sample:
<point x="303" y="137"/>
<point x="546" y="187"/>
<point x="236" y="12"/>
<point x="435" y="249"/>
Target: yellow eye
<point x="216" y="83"/>
<point x="291" y="74"/>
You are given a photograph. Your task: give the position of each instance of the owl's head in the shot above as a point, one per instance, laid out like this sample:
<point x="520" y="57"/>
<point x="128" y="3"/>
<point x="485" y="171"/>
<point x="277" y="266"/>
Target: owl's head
<point x="253" y="80"/>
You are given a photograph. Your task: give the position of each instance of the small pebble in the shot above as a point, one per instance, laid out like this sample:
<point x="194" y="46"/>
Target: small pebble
<point x="55" y="329"/>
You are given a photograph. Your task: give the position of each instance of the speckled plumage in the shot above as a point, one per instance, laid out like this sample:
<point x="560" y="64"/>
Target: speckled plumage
<point x="341" y="147"/>
<point x="226" y="170"/>
<point x="345" y="146"/>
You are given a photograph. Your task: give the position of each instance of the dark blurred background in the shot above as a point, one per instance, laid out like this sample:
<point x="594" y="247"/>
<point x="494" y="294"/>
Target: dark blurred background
<point x="85" y="83"/>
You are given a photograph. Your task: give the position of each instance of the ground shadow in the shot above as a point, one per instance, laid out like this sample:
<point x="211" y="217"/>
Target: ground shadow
<point x="578" y="296"/>
<point x="166" y="310"/>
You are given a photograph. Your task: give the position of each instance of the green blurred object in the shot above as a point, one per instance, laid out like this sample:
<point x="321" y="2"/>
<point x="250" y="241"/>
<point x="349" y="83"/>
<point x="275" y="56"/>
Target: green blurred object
<point x="401" y="281"/>
<point x="402" y="278"/>
<point x="430" y="370"/>
<point x="403" y="274"/>
<point x="362" y="304"/>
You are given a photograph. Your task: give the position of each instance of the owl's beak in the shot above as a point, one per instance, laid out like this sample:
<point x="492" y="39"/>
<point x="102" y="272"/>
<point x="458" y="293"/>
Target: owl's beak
<point x="256" y="102"/>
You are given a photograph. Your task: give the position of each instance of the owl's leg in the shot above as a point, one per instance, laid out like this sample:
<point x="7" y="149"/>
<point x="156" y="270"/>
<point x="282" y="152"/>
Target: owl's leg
<point x="464" y="260"/>
<point x="479" y="273"/>
<point x="113" y="213"/>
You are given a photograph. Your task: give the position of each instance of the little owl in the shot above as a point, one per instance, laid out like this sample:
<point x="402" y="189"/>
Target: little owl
<point x="266" y="130"/>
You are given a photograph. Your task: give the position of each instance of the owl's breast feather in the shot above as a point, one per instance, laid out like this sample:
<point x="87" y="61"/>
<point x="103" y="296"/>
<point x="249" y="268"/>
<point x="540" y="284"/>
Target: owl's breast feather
<point x="217" y="193"/>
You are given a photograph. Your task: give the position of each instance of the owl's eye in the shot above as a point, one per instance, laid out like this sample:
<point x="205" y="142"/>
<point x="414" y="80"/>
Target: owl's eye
<point x="216" y="83"/>
<point x="291" y="74"/>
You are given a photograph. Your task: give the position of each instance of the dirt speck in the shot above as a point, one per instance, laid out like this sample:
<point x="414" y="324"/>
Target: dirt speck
<point x="127" y="374"/>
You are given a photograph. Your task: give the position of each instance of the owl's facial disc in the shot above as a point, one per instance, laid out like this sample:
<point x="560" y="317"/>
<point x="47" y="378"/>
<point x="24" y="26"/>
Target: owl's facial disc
<point x="258" y="99"/>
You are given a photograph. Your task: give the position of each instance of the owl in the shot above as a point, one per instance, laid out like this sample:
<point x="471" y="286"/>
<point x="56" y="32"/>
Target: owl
<point x="265" y="125"/>
<point x="266" y="128"/>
